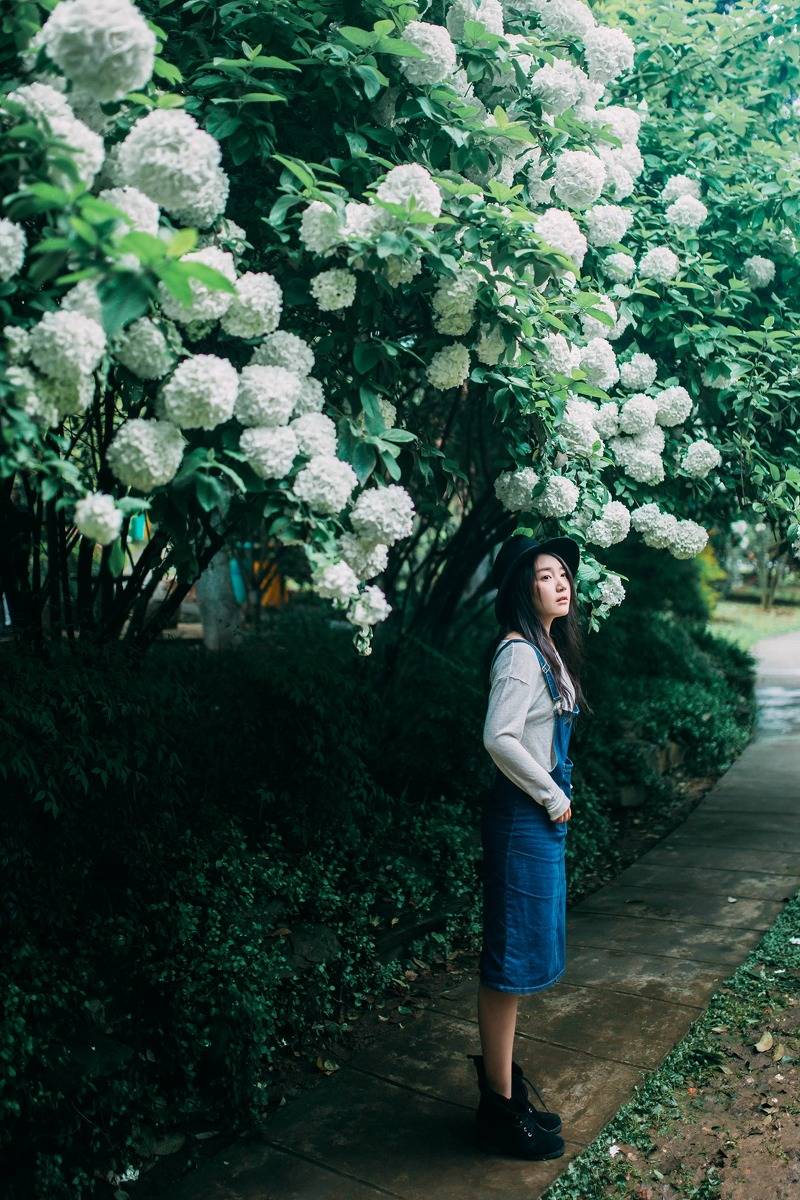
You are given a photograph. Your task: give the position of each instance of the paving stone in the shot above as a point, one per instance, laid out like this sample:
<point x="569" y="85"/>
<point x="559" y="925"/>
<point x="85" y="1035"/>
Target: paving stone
<point x="409" y="1144"/>
<point x="672" y="939"/>
<point x="706" y="879"/>
<point x="675" y="853"/>
<point x="429" y="1055"/>
<point x="637" y="1030"/>
<point x="732" y="835"/>
<point x="669" y="905"/>
<point x="682" y="981"/>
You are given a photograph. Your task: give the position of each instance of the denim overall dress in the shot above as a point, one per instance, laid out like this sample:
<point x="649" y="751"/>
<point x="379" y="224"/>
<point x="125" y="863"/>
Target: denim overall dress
<point x="524" y="871"/>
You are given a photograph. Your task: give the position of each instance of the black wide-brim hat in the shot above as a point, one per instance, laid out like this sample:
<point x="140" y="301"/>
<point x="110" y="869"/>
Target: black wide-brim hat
<point x="518" y="548"/>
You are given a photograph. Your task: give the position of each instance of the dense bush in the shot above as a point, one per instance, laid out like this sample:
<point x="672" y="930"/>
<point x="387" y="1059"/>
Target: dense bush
<point x="209" y="861"/>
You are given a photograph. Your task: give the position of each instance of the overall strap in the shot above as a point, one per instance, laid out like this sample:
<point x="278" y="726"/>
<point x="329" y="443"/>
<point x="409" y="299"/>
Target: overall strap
<point x="543" y="663"/>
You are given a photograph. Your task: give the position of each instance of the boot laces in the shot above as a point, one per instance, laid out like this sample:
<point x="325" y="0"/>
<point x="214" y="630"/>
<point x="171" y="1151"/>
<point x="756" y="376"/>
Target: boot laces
<point x="536" y="1091"/>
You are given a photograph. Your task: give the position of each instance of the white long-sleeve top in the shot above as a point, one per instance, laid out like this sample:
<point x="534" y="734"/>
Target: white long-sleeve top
<point x="518" y="730"/>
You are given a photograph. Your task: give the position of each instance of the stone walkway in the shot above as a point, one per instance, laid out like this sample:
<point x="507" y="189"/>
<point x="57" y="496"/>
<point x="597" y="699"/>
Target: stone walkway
<point x="645" y="953"/>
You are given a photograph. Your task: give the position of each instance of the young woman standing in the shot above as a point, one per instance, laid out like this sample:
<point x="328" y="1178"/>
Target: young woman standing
<point x="533" y="703"/>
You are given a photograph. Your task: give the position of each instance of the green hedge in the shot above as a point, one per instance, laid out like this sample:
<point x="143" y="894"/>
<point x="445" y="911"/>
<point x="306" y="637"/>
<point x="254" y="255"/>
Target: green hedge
<point x="210" y="860"/>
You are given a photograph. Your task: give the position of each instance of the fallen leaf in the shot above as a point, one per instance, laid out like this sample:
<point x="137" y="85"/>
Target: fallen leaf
<point x="765" y="1042"/>
<point x="733" y="899"/>
<point x="326" y="1065"/>
<point x="778" y="1052"/>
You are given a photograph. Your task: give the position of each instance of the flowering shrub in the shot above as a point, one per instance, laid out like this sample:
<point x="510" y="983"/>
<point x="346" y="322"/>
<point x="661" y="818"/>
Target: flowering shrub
<point x="427" y="216"/>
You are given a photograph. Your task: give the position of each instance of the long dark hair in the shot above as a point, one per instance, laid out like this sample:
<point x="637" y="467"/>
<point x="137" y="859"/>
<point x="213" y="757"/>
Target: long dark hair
<point x="520" y="616"/>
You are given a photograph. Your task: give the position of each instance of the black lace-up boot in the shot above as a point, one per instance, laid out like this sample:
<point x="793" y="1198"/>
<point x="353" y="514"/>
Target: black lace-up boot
<point x="550" y="1121"/>
<point x="506" y="1125"/>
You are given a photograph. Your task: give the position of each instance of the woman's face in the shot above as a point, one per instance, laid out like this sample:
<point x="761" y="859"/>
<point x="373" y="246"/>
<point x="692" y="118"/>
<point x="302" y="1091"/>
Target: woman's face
<point x="551" y="590"/>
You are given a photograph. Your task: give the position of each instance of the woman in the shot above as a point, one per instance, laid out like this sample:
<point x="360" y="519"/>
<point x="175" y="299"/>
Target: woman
<point x="534" y="699"/>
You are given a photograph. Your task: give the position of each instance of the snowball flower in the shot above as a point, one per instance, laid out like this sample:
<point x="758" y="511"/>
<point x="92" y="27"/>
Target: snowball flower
<point x="364" y="220"/>
<point x="335" y="581"/>
<point x="637" y="413"/>
<point x="270" y="452"/>
<point x="453" y="302"/>
<point x="207" y="304"/>
<point x="367" y="559"/>
<point x="143" y="349"/>
<point x="608" y="52"/>
<point x="449" y="367"/>
<point x="67" y="395"/>
<point x="680" y="185"/>
<point x="141" y="210"/>
<point x="370" y="608"/>
<point x="67" y="344"/>
<point x="411" y="184"/>
<point x="558" y="85"/>
<point x="491" y="345"/>
<point x="488" y="13"/>
<point x="606" y="420"/>
<point x="201" y="393"/>
<point x="660" y="264"/>
<point x="108" y="48"/>
<point x="624" y="123"/>
<point x="577" y="427"/>
<point x="579" y="178"/>
<point x="560" y="357"/>
<point x="612" y="593"/>
<point x="559" y="497"/>
<point x="673" y="406"/>
<point x="12" y="248"/>
<point x="176" y="163"/>
<point x="638" y="373"/>
<point x="98" y="518"/>
<point x="593" y="326"/>
<point x="310" y="398"/>
<point x="600" y="363"/>
<point x="560" y="230"/>
<point x="759" y="271"/>
<point x="18" y="343"/>
<point x="700" y="458"/>
<point x="28" y="396"/>
<point x="438" y="54"/>
<point x="325" y="483"/>
<point x="83" y="298"/>
<point x="383" y="514"/>
<point x="283" y="349"/>
<point x="607" y="224"/>
<point x="315" y="433"/>
<point x="612" y="526"/>
<point x="514" y="488"/>
<point x="266" y="395"/>
<point x="686" y="213"/>
<point x="619" y="266"/>
<point x="333" y="289"/>
<point x="688" y="540"/>
<point x="562" y="18"/>
<point x="49" y="109"/>
<point x="145" y="454"/>
<point x="256" y="307"/>
<point x="320" y="229"/>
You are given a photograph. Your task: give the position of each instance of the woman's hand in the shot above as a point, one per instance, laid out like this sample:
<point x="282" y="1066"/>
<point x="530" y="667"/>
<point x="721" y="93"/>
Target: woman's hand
<point x="565" y="816"/>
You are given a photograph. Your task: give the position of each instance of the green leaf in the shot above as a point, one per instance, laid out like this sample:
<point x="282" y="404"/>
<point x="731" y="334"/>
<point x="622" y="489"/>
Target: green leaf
<point x="298" y="169"/>
<point x="168" y="71"/>
<point x="183" y="241"/>
<point x="116" y="558"/>
<point x="262" y="98"/>
<point x="210" y="492"/>
<point x="123" y="298"/>
<point x="210" y="276"/>
<point x="366" y="355"/>
<point x="358" y="37"/>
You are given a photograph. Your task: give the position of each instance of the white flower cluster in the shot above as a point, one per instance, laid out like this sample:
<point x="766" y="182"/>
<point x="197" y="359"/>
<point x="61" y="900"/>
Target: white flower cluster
<point x="599" y="362"/>
<point x="608" y="53"/>
<point x="686" y="213"/>
<point x="560" y="230"/>
<point x="660" y="264"/>
<point x="411" y="184"/>
<point x="108" y="49"/>
<point x="640" y="455"/>
<point x="562" y="18"/>
<point x="638" y="372"/>
<point x="67" y="345"/>
<point x="269" y="451"/>
<point x="593" y="326"/>
<point x="680" y="185"/>
<point x="606" y="419"/>
<point x="325" y="483"/>
<point x="48" y="108"/>
<point x="172" y="160"/>
<point x="201" y="393"/>
<point x="760" y="271"/>
<point x="333" y="289"/>
<point x="143" y="349"/>
<point x="488" y="13"/>
<point x="266" y="396"/>
<point x="145" y="454"/>
<point x="612" y="591"/>
<point x="448" y="367"/>
<point x="578" y="429"/>
<point x="207" y="304"/>
<point x="320" y="229"/>
<point x="284" y="349"/>
<point x="663" y="531"/>
<point x="370" y="608"/>
<point x="98" y="518"/>
<point x="256" y="307"/>
<point x="638" y="413"/>
<point x="438" y="60"/>
<point x="619" y="266"/>
<point x="12" y="248"/>
<point x="383" y="514"/>
<point x="315" y="433"/>
<point x="310" y="398"/>
<point x="514" y="488"/>
<point x="559" y="355"/>
<point x="700" y="458"/>
<point x="559" y="498"/>
<point x="579" y="178"/>
<point x="612" y="527"/>
<point x="454" y="301"/>
<point x="335" y="581"/>
<point x="367" y="558"/>
<point x="673" y="406"/>
<point x="141" y="210"/>
<point x="559" y="85"/>
<point x="607" y="224"/>
<point x="491" y="345"/>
